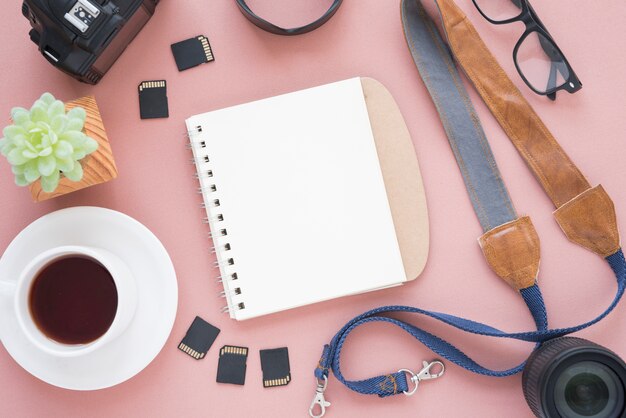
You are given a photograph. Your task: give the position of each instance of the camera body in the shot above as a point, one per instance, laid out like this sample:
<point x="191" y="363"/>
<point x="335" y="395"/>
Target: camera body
<point x="83" y="38"/>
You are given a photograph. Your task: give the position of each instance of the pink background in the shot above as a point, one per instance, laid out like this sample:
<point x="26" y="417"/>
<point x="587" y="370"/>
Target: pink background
<point x="365" y="38"/>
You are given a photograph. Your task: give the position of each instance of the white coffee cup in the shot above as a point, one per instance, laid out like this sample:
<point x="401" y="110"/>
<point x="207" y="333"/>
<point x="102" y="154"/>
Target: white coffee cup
<point x="126" y="299"/>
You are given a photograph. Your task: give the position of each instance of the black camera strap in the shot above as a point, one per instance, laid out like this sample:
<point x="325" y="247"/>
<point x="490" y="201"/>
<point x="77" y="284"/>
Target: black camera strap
<point x="272" y="28"/>
<point x="510" y="243"/>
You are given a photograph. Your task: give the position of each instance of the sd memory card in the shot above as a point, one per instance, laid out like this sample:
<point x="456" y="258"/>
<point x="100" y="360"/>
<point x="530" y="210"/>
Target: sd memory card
<point x="275" y="365"/>
<point x="199" y="338"/>
<point x="232" y="365"/>
<point x="192" y="52"/>
<point x="153" y="99"/>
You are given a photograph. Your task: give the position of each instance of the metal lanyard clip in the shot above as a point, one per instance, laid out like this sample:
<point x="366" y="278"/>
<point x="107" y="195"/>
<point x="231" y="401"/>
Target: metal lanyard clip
<point x="424" y="374"/>
<point x="319" y="400"/>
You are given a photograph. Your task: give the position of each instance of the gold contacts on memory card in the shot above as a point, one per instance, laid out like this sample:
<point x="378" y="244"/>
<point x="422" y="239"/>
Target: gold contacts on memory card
<point x="231" y="349"/>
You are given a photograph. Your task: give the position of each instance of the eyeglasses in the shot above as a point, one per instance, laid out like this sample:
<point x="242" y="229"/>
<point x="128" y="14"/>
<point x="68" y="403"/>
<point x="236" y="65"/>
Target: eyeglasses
<point x="538" y="59"/>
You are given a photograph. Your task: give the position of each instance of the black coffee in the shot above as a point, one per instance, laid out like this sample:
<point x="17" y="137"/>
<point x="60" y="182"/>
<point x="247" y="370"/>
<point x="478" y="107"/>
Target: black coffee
<point x="73" y="300"/>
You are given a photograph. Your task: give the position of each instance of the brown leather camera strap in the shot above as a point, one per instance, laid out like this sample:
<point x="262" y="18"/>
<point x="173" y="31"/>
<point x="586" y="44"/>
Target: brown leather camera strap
<point x="586" y="214"/>
<point x="558" y="175"/>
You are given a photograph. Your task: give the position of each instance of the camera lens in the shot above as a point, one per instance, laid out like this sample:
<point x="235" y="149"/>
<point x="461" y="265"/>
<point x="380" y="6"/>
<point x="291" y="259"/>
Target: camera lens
<point x="587" y="389"/>
<point x="575" y="378"/>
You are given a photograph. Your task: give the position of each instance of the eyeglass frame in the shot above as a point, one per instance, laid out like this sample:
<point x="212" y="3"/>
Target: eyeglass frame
<point x="533" y="24"/>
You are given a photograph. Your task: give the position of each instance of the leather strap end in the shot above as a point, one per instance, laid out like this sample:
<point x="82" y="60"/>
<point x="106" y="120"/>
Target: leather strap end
<point x="589" y="220"/>
<point x="512" y="252"/>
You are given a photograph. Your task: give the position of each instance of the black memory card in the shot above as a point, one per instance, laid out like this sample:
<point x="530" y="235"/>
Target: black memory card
<point x="275" y="365"/>
<point x="199" y="338"/>
<point x="232" y="365"/>
<point x="192" y="52"/>
<point x="153" y="99"/>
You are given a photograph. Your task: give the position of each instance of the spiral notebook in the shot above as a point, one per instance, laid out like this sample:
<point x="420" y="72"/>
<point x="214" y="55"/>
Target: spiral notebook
<point x="295" y="200"/>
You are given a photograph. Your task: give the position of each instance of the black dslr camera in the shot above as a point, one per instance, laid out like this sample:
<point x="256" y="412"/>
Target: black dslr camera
<point x="84" y="38"/>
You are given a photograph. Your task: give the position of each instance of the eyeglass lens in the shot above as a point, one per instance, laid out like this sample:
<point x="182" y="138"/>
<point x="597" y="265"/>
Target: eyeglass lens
<point x="541" y="63"/>
<point x="500" y="10"/>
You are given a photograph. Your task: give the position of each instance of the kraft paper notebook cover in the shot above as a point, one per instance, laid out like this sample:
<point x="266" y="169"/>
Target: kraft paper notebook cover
<point x="310" y="196"/>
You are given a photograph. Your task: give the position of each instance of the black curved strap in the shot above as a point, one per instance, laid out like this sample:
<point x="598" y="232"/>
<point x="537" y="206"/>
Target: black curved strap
<point x="270" y="27"/>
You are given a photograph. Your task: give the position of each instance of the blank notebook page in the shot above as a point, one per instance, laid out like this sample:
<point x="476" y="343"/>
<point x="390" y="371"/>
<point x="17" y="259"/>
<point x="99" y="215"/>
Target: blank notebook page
<point x="302" y="199"/>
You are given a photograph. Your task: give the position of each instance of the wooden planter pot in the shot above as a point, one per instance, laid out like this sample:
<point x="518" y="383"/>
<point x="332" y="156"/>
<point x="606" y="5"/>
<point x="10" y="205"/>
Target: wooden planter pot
<point x="98" y="167"/>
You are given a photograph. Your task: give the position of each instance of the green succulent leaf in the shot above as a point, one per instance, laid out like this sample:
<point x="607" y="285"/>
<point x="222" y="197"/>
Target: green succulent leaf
<point x="47" y="165"/>
<point x="45" y="142"/>
<point x="16" y="157"/>
<point x="12" y="131"/>
<point x="18" y="169"/>
<point x="77" y="139"/>
<point x="20" y="116"/>
<point x="30" y="146"/>
<point x="79" y="155"/>
<point x="30" y="154"/>
<point x="38" y="113"/>
<point x="54" y="138"/>
<point x="31" y="171"/>
<point x="66" y="164"/>
<point x="20" y="180"/>
<point x="77" y="172"/>
<point x="63" y="150"/>
<point x="5" y="149"/>
<point x="19" y="141"/>
<point x="90" y="145"/>
<point x="59" y="123"/>
<point x="6" y="146"/>
<point x="47" y="151"/>
<point x="47" y="98"/>
<point x="57" y="108"/>
<point x="50" y="183"/>
<point x="41" y="126"/>
<point x="78" y="113"/>
<point x="75" y="124"/>
<point x="17" y="110"/>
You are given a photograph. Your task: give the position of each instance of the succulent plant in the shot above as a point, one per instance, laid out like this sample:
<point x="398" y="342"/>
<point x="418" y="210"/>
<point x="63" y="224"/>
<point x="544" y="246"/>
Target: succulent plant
<point x="45" y="143"/>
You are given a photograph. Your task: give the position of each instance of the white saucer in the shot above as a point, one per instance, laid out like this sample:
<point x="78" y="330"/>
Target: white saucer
<point x="157" y="291"/>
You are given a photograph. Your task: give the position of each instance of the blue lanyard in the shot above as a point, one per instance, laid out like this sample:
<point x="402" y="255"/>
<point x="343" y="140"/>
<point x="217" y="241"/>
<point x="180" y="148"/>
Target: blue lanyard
<point x="493" y="207"/>
<point x="382" y="385"/>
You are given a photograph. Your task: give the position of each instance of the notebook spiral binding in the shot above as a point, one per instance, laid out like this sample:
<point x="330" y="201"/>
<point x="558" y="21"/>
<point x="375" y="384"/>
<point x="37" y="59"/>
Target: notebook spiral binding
<point x="210" y="204"/>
